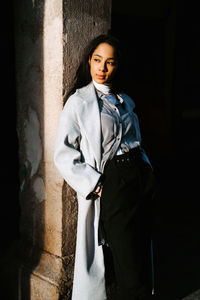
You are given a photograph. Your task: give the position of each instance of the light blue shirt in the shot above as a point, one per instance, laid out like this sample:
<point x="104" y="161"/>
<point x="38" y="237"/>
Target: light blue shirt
<point x="119" y="127"/>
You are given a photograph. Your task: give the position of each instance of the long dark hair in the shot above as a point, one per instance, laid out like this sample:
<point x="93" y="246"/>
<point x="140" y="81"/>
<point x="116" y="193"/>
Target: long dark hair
<point x="83" y="77"/>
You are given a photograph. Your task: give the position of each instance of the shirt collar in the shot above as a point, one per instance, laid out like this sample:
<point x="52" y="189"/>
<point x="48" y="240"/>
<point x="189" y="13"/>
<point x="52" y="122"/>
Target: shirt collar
<point x="113" y="99"/>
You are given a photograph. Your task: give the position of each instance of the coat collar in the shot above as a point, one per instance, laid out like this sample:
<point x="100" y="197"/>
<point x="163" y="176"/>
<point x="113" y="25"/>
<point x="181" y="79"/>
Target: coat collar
<point x="90" y="117"/>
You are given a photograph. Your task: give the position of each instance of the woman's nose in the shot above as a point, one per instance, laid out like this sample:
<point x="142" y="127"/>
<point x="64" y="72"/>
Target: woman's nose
<point x="102" y="66"/>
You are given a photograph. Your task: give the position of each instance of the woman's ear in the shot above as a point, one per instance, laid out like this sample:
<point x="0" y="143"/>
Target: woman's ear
<point x="89" y="61"/>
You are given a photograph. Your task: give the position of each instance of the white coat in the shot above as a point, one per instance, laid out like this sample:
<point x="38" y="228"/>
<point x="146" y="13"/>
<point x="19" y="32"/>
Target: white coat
<point x="78" y="158"/>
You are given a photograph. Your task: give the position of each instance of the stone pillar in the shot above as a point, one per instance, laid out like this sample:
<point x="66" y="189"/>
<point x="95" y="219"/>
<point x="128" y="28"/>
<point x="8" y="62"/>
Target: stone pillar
<point x="50" y="36"/>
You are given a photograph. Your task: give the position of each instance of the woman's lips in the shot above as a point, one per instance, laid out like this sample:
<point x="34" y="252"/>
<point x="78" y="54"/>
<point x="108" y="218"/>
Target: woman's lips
<point x="100" y="76"/>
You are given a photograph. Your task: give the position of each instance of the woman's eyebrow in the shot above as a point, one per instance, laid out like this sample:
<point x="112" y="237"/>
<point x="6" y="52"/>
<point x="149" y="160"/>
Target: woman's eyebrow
<point x="107" y="58"/>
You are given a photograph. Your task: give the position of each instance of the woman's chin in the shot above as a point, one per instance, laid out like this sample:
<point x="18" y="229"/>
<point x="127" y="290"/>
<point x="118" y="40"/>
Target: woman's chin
<point x="100" y="80"/>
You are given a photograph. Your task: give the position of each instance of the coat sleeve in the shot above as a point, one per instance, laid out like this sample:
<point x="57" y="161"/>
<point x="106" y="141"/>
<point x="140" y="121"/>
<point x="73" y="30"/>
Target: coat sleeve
<point x="68" y="158"/>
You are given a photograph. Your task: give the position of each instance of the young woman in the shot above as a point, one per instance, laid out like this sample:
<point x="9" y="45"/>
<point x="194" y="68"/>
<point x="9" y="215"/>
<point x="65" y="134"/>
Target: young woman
<point x="98" y="152"/>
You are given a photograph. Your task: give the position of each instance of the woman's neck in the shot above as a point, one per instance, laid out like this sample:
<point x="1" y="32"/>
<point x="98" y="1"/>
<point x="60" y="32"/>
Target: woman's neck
<point x="104" y="88"/>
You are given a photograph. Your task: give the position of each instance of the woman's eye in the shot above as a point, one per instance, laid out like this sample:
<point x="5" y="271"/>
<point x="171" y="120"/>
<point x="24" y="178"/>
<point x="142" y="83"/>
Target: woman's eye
<point x="111" y="63"/>
<point x="96" y="59"/>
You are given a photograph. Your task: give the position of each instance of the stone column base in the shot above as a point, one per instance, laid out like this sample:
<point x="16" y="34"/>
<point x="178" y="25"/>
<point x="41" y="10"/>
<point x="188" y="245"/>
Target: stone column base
<point x="40" y="277"/>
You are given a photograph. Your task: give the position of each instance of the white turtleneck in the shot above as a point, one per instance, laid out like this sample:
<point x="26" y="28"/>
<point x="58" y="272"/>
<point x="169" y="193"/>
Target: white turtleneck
<point x="103" y="88"/>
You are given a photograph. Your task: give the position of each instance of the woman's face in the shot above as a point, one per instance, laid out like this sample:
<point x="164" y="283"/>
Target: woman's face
<point x="103" y="63"/>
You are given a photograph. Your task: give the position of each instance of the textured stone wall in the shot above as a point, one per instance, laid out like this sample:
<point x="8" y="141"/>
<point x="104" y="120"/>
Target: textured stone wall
<point x="39" y="71"/>
<point x="83" y="20"/>
<point x="50" y="37"/>
<point x="39" y="68"/>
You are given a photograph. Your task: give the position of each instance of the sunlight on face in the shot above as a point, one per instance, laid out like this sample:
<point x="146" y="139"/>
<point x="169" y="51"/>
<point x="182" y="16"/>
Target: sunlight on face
<point x="103" y="63"/>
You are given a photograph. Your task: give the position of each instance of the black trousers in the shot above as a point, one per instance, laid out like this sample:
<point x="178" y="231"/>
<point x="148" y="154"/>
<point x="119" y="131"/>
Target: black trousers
<point x="126" y="206"/>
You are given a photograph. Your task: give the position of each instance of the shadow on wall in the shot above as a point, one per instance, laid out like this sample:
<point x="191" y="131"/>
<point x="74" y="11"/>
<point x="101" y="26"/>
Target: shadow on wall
<point x="21" y="250"/>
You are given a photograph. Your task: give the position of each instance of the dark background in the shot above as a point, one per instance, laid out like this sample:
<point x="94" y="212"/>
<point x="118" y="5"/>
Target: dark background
<point x="162" y="45"/>
<point x="162" y="74"/>
<point x="9" y="183"/>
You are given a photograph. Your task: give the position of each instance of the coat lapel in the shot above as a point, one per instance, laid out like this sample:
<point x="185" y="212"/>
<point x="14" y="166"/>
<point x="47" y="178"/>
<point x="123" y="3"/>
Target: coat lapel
<point x="90" y="117"/>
